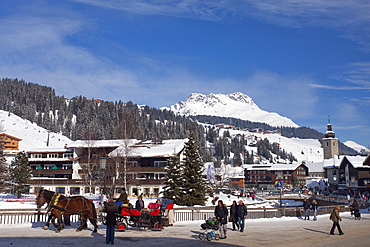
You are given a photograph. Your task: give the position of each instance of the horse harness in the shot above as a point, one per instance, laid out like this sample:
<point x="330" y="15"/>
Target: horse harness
<point x="54" y="201"/>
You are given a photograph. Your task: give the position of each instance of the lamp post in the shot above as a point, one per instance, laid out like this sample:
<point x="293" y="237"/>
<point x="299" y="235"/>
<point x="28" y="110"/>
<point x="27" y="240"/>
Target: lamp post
<point x="103" y="166"/>
<point x="281" y="204"/>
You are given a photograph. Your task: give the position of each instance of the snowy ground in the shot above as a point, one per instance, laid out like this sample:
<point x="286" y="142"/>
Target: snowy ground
<point x="287" y="231"/>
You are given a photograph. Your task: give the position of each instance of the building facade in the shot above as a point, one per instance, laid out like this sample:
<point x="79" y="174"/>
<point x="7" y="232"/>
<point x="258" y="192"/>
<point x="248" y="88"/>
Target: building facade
<point x="269" y="175"/>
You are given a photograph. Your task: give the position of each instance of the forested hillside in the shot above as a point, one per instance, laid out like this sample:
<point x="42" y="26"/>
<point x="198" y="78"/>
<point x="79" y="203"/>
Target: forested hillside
<point x="82" y="118"/>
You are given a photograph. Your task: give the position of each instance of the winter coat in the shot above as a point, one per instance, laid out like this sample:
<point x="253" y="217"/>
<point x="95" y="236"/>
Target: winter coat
<point x="139" y="204"/>
<point x="356" y="206"/>
<point x="335" y="216"/>
<point x="242" y="211"/>
<point x="234" y="213"/>
<point x="111" y="209"/>
<point x="314" y="206"/>
<point x="122" y="197"/>
<point x="221" y="214"/>
<point x="306" y="205"/>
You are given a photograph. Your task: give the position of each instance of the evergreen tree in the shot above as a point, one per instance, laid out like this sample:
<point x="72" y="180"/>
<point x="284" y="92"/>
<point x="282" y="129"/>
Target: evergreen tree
<point x="174" y="184"/>
<point x="3" y="170"/>
<point x="195" y="186"/>
<point x="20" y="173"/>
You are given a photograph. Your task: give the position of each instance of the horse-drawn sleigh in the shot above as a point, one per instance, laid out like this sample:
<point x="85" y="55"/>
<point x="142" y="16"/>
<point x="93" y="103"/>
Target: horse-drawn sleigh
<point x="143" y="219"/>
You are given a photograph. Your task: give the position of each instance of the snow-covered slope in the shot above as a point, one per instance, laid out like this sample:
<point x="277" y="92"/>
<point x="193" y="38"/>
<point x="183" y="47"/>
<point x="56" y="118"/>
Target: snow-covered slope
<point x="307" y="150"/>
<point x="236" y="105"/>
<point x="359" y="148"/>
<point x="33" y="136"/>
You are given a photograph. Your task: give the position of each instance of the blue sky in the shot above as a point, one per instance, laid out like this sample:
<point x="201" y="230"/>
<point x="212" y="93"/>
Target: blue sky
<point x="303" y="59"/>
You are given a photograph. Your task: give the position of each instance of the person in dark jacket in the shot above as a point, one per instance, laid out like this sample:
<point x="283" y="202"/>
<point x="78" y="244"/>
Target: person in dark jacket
<point x="242" y="215"/>
<point x="123" y="196"/>
<point x="356" y="209"/>
<point x="139" y="203"/>
<point x="234" y="215"/>
<point x="336" y="218"/>
<point x="306" y="207"/>
<point x="111" y="209"/>
<point x="221" y="214"/>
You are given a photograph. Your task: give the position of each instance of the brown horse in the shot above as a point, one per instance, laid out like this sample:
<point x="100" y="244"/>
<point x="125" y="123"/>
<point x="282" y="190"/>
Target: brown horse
<point x="59" y="205"/>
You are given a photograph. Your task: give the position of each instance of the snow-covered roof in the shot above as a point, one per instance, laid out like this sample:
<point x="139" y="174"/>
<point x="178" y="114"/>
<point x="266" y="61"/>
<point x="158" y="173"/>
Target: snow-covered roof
<point x="96" y="143"/>
<point x="48" y="150"/>
<point x="332" y="162"/>
<point x="315" y="167"/>
<point x="165" y="148"/>
<point x="272" y="167"/>
<point x="357" y="161"/>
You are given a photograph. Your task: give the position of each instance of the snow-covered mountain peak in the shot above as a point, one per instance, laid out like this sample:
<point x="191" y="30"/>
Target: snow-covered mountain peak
<point x="213" y="99"/>
<point x="236" y="105"/>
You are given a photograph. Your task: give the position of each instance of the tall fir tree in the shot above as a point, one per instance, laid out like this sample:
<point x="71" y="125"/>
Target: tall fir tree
<point x="20" y="173"/>
<point x="195" y="187"/>
<point x="3" y="168"/>
<point x="173" y="188"/>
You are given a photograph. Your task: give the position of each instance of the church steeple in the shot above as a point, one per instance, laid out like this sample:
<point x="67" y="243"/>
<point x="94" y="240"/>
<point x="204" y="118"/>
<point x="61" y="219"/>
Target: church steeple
<point x="329" y="130"/>
<point x="330" y="143"/>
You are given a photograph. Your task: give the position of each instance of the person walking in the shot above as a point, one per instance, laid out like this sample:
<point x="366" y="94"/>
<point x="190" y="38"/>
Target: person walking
<point x="306" y="207"/>
<point x="336" y="218"/>
<point x="111" y="209"/>
<point x="314" y="206"/>
<point x="356" y="209"/>
<point x="170" y="214"/>
<point x="234" y="215"/>
<point x="221" y="214"/>
<point x="242" y="215"/>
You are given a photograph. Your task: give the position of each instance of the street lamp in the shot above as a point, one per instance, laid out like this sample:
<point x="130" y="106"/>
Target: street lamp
<point x="102" y="163"/>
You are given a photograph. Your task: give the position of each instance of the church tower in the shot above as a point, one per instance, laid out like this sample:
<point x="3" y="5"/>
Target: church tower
<point x="330" y="143"/>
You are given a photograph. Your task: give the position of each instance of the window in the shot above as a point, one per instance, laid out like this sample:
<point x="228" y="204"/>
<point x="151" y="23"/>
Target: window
<point x="52" y="156"/>
<point x="67" y="166"/>
<point x="75" y="191"/>
<point x="90" y="190"/>
<point x="160" y="163"/>
<point x="61" y="190"/>
<point x="132" y="163"/>
<point x="50" y="166"/>
<point x="36" y="156"/>
<point x="34" y="166"/>
<point x="68" y="155"/>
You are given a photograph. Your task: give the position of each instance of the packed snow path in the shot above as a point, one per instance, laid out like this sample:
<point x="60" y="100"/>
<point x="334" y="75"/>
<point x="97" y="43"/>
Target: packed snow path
<point x="287" y="231"/>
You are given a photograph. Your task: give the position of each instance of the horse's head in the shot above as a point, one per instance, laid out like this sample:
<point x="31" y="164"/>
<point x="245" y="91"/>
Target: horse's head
<point x="40" y="199"/>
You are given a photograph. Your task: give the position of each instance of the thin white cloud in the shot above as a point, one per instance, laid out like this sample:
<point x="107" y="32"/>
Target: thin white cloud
<point x="347" y="114"/>
<point x="353" y="76"/>
<point x="350" y="17"/>
<point x="322" y="86"/>
<point x="287" y="95"/>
